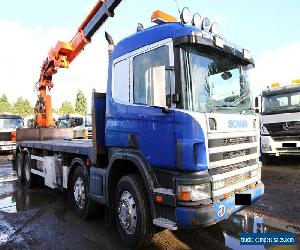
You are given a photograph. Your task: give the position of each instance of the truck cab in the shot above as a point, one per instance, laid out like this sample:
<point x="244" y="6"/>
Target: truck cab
<point x="280" y="120"/>
<point x="178" y="103"/>
<point x="8" y="124"/>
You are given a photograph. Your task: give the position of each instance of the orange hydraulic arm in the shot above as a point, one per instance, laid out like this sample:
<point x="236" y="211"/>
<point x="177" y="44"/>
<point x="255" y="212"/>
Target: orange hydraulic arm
<point x="64" y="53"/>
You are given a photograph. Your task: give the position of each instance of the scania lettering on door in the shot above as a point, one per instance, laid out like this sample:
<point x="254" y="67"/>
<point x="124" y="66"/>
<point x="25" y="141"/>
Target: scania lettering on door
<point x="237" y="124"/>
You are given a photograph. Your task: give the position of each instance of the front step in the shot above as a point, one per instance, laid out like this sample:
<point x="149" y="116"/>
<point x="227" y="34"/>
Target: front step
<point x="162" y="222"/>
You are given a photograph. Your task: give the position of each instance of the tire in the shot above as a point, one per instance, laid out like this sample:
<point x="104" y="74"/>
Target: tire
<point x="79" y="189"/>
<point x="20" y="167"/>
<point x="132" y="212"/>
<point x="31" y="180"/>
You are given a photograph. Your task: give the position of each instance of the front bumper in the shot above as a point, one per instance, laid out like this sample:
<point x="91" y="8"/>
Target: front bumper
<point x="189" y="217"/>
<point x="280" y="146"/>
<point x="7" y="147"/>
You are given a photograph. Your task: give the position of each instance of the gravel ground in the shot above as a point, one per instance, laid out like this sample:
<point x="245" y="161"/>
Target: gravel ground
<point x="282" y="190"/>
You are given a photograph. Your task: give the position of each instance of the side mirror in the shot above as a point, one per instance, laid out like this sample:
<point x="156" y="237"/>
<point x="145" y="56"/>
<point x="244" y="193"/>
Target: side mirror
<point x="156" y="77"/>
<point x="257" y="104"/>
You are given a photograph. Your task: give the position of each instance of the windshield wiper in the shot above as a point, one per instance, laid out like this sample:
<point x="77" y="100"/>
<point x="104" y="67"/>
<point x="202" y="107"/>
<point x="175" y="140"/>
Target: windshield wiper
<point x="247" y="109"/>
<point x="218" y="107"/>
<point x="240" y="99"/>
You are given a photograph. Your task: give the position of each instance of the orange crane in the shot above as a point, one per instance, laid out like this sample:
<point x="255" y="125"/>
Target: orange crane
<point x="64" y="53"/>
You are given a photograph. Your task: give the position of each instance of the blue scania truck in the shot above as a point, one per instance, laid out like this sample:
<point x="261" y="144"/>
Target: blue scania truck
<point x="175" y="141"/>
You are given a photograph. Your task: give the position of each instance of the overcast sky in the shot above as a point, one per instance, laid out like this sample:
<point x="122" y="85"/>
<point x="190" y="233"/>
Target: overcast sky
<point x="29" y="28"/>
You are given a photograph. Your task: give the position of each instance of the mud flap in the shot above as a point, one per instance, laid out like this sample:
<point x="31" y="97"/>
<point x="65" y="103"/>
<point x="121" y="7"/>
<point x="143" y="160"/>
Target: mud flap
<point x="97" y="190"/>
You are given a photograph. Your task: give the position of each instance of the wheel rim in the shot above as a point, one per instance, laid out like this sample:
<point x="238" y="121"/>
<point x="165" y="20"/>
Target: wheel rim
<point x="27" y="170"/>
<point x="127" y="212"/>
<point x="79" y="193"/>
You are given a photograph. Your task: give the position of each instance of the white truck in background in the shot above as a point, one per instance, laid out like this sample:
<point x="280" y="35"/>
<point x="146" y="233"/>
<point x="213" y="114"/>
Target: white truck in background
<point x="82" y="125"/>
<point x="280" y="120"/>
<point x="8" y="124"/>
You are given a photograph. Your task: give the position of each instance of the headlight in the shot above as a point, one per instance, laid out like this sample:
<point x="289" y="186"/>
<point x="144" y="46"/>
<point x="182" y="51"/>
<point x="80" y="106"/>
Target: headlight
<point x="264" y="130"/>
<point x="196" y="21"/>
<point x="266" y="147"/>
<point x="185" y="15"/>
<point x="214" y="28"/>
<point x="218" y="184"/>
<point x="205" y="24"/>
<point x="194" y="193"/>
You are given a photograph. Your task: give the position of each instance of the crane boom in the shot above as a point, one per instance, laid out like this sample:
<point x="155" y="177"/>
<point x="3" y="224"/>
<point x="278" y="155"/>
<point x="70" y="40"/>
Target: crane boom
<point x="64" y="53"/>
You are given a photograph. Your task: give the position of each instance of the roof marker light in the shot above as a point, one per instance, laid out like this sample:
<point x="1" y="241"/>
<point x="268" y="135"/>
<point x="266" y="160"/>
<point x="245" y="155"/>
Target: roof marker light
<point x="214" y="28"/>
<point x="247" y="54"/>
<point x="185" y="15"/>
<point x="296" y="81"/>
<point x="160" y="17"/>
<point x="219" y="42"/>
<point x="205" y="24"/>
<point x="196" y="21"/>
<point x="275" y="85"/>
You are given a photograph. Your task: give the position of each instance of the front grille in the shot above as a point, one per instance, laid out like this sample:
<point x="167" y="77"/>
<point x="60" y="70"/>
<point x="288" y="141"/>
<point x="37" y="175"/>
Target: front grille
<point x="283" y="128"/>
<point x="231" y="154"/>
<point x="236" y="179"/>
<point x="231" y="167"/>
<point x="230" y="141"/>
<point x="5" y="136"/>
<point x="238" y="153"/>
<point x="286" y="138"/>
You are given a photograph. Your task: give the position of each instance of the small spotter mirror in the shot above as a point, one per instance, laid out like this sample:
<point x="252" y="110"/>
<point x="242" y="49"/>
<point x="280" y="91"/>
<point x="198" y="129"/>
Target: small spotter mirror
<point x="226" y="75"/>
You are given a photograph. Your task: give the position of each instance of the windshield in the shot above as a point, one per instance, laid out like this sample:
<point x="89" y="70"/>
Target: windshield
<point x="281" y="103"/>
<point x="6" y="123"/>
<point x="70" y="122"/>
<point x="212" y="82"/>
<point x="63" y="123"/>
<point x="88" y="121"/>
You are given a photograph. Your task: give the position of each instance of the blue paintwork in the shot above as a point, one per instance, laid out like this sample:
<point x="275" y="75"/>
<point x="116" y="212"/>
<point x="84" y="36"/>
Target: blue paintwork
<point x="189" y="134"/>
<point x="153" y="130"/>
<point x="100" y="109"/>
<point x="207" y="215"/>
<point x="156" y="133"/>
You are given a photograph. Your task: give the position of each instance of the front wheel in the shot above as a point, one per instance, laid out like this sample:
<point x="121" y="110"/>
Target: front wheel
<point x="133" y="212"/>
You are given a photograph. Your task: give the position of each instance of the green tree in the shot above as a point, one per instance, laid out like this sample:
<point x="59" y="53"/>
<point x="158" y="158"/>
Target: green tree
<point x="5" y="106"/>
<point x="66" y="108"/>
<point x="55" y="111"/>
<point x="22" y="107"/>
<point x="81" y="103"/>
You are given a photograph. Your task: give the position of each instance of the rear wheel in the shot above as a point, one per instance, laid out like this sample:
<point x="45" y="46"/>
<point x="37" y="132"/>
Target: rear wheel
<point x="20" y="167"/>
<point x="30" y="179"/>
<point x="84" y="206"/>
<point x="133" y="212"/>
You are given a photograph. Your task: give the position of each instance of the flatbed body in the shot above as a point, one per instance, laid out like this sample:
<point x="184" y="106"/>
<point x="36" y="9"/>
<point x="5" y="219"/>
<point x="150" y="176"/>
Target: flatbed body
<point x="81" y="147"/>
